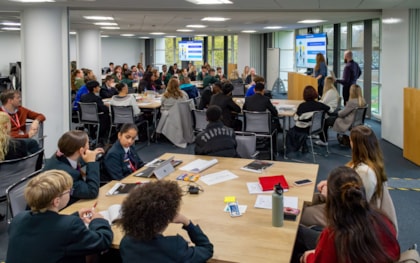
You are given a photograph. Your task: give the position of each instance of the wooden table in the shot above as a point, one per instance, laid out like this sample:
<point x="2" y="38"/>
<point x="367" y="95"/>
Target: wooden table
<point x="248" y="238"/>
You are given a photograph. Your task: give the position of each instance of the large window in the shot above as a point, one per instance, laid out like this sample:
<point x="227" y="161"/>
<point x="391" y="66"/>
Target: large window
<point x="376" y="85"/>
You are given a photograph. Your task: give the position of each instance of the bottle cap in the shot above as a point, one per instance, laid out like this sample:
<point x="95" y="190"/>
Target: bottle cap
<point x="278" y="189"/>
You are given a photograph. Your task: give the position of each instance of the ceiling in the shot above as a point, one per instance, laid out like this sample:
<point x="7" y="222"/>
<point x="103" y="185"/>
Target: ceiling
<point x="143" y="17"/>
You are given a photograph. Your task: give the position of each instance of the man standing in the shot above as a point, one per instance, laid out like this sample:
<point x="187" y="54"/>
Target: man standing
<point x="351" y="73"/>
<point x="12" y="100"/>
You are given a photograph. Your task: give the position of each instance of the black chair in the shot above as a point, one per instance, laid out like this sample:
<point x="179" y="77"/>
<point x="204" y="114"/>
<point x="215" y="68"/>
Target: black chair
<point x="124" y="114"/>
<point x="40" y="137"/>
<point x="16" y="202"/>
<point x="88" y="115"/>
<point x="317" y="124"/>
<point x="12" y="171"/>
<point x="359" y="116"/>
<point x="200" y="120"/>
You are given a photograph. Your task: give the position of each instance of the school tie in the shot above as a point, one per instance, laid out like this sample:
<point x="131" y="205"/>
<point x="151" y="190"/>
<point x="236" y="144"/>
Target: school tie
<point x="131" y="160"/>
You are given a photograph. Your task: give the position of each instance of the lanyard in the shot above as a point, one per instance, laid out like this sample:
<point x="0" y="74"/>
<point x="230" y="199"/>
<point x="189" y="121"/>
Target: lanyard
<point x="15" y="122"/>
<point x="130" y="164"/>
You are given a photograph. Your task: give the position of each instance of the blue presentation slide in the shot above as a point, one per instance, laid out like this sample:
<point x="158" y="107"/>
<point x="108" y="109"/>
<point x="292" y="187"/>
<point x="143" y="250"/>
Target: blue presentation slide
<point x="307" y="47"/>
<point x="190" y="50"/>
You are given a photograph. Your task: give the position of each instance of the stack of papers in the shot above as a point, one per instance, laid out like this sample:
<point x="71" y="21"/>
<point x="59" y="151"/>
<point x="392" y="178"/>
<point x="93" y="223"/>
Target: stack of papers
<point x="264" y="201"/>
<point x="219" y="177"/>
<point x="198" y="165"/>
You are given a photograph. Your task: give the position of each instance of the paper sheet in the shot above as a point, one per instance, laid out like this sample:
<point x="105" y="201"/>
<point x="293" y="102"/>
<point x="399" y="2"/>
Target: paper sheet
<point x="255" y="188"/>
<point x="264" y="201"/>
<point x="215" y="178"/>
<point x="242" y="209"/>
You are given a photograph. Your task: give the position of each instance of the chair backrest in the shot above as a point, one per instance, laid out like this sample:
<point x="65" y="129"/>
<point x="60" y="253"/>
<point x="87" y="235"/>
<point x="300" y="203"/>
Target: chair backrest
<point x="200" y="119"/>
<point x="359" y="116"/>
<point x="40" y="136"/>
<point x="12" y="171"/>
<point x="246" y="144"/>
<point x="88" y="112"/>
<point x="186" y="120"/>
<point x="122" y="114"/>
<point x="238" y="90"/>
<point x="15" y="195"/>
<point x="317" y="122"/>
<point x="197" y="101"/>
<point x="259" y="122"/>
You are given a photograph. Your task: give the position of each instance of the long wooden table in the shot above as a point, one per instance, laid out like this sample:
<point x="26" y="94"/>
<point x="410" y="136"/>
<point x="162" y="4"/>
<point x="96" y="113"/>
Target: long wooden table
<point x="248" y="238"/>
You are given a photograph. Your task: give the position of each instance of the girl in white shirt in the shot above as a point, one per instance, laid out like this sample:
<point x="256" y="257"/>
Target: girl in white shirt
<point x="330" y="96"/>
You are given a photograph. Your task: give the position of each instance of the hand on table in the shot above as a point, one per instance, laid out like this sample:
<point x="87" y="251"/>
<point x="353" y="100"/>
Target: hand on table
<point x="181" y="219"/>
<point x="88" y="214"/>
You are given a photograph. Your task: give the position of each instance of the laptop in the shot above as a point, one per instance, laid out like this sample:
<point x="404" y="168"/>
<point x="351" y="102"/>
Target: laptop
<point x="162" y="170"/>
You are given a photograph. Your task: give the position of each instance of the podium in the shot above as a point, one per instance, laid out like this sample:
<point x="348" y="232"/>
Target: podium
<point x="297" y="83"/>
<point x="411" y="143"/>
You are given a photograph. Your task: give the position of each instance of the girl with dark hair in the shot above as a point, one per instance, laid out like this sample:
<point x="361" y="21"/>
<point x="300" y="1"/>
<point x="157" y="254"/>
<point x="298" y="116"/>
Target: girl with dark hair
<point x="356" y="232"/>
<point x="146" y="213"/>
<point x="148" y="82"/>
<point x="122" y="159"/>
<point x="228" y="106"/>
<point x="72" y="154"/>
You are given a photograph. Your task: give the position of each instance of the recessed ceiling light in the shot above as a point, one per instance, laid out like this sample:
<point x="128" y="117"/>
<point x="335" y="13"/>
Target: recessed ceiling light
<point x="215" y="19"/>
<point x="273" y="27"/>
<point x="248" y="31"/>
<point x="10" y="24"/>
<point x="391" y="20"/>
<point x="311" y="21"/>
<point x="201" y="35"/>
<point x="33" y="1"/>
<point x="110" y="27"/>
<point x="157" y="33"/>
<point x="104" y="36"/>
<point x="98" y="18"/>
<point x="196" y="26"/>
<point x="106" y="24"/>
<point x="72" y="33"/>
<point x="210" y="2"/>
<point x="127" y="35"/>
<point x="184" y="30"/>
<point x="11" y="28"/>
<point x="171" y="36"/>
<point x="144" y="37"/>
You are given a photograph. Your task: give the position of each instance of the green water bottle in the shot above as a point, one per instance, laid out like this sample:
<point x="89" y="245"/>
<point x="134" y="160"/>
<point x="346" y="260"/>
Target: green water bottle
<point x="277" y="206"/>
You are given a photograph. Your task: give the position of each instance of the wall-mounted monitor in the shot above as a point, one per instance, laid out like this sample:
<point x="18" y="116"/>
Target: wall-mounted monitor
<point x="190" y="50"/>
<point x="307" y="46"/>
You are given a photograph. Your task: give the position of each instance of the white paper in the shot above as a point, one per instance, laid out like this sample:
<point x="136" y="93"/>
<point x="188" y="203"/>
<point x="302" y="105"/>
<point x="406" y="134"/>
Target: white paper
<point x="215" y="178"/>
<point x="198" y="165"/>
<point x="286" y="107"/>
<point x="144" y="103"/>
<point x="264" y="201"/>
<point x="112" y="213"/>
<point x="255" y="188"/>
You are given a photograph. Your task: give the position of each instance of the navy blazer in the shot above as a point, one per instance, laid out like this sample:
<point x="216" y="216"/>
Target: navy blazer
<point x="82" y="189"/>
<point x="168" y="249"/>
<point x="261" y="103"/>
<point x="115" y="161"/>
<point x="50" y="237"/>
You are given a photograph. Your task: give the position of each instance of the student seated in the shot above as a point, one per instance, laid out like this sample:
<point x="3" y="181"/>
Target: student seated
<point x="10" y="148"/>
<point x="216" y="139"/>
<point x="108" y="88"/>
<point x="189" y="88"/>
<point x="43" y="235"/>
<point x="356" y="230"/>
<point x="207" y="93"/>
<point x="146" y="213"/>
<point x="72" y="154"/>
<point x="228" y="106"/>
<point x="122" y="159"/>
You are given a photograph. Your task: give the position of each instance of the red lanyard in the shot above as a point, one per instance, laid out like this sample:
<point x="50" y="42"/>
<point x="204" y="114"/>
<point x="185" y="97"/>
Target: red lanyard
<point x="15" y="122"/>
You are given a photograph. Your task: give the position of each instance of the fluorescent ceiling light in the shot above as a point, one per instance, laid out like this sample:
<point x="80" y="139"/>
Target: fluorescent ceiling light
<point x="391" y="20"/>
<point x="101" y="18"/>
<point x="311" y="21"/>
<point x="72" y="33"/>
<point x="10" y="24"/>
<point x="171" y="36"/>
<point x="248" y="31"/>
<point x="196" y="26"/>
<point x="33" y="1"/>
<point x="104" y="36"/>
<point x="106" y="24"/>
<point x="144" y="37"/>
<point x="11" y="28"/>
<point x="273" y="27"/>
<point x="215" y="19"/>
<point x="210" y="2"/>
<point x="201" y="35"/>
<point x="110" y="27"/>
<point x="157" y="33"/>
<point x="127" y="35"/>
<point x="184" y="30"/>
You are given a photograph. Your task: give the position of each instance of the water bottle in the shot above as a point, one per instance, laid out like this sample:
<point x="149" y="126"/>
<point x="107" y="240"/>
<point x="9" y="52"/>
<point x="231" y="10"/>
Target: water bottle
<point x="277" y="209"/>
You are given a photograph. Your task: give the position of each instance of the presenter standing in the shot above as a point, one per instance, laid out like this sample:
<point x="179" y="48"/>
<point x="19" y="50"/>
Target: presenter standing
<point x="320" y="72"/>
<point x="351" y="73"/>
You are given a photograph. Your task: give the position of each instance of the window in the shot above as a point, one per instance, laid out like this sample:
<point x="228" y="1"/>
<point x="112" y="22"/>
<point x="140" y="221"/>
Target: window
<point x="376" y="85"/>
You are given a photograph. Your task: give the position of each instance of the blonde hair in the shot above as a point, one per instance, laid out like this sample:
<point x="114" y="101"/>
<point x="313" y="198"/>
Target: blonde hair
<point x="329" y="85"/>
<point x="356" y="93"/>
<point x="245" y="72"/>
<point x="173" y="90"/>
<point x="4" y="134"/>
<point x="43" y="188"/>
<point x="234" y="75"/>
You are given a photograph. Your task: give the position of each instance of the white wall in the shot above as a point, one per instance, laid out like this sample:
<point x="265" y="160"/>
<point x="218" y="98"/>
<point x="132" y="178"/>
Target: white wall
<point x="394" y="75"/>
<point x="122" y="50"/>
<point x="10" y="50"/>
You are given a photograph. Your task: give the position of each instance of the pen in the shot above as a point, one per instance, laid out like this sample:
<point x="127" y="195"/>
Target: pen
<point x="94" y="206"/>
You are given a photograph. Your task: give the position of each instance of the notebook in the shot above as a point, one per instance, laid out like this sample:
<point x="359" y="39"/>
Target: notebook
<point x="267" y="182"/>
<point x="198" y="165"/>
<point x="160" y="171"/>
<point x="256" y="166"/>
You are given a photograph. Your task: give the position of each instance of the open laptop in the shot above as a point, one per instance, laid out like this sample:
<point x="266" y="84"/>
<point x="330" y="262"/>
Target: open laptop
<point x="162" y="170"/>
